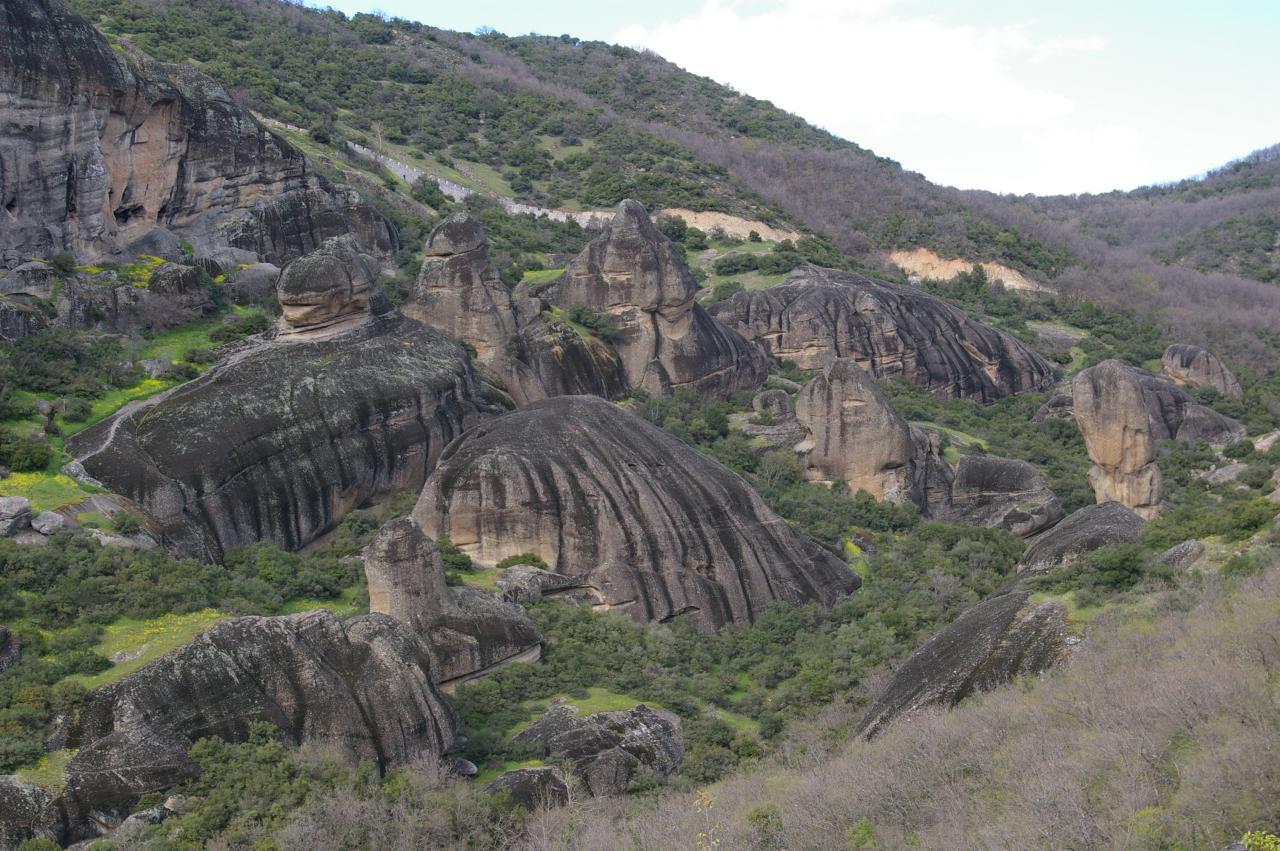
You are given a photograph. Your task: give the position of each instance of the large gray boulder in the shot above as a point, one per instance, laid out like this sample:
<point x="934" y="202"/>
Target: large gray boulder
<point x="532" y="788"/>
<point x="1001" y="638"/>
<point x="105" y="150"/>
<point x="363" y="687"/>
<point x="27" y="812"/>
<point x="606" y="749"/>
<point x="892" y="331"/>
<point x="1197" y="367"/>
<point x="280" y="440"/>
<point x="330" y="290"/>
<point x="1001" y="492"/>
<point x="15" y="515"/>
<point x="1123" y="413"/>
<point x="666" y="339"/>
<point x="1108" y="524"/>
<point x="252" y="284"/>
<point x="655" y="527"/>
<point x="469" y="632"/>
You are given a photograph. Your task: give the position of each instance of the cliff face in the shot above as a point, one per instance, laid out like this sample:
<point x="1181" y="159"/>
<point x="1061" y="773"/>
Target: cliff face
<point x="891" y="331"/>
<point x="97" y="151"/>
<point x="280" y="440"/>
<point x="652" y="526"/>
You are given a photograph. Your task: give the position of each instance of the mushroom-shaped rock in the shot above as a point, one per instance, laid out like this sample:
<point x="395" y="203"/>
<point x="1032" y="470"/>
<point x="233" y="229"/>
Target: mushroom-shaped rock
<point x="1123" y="412"/>
<point x="1004" y="492"/>
<point x="280" y="440"/>
<point x="606" y="748"/>
<point x="892" y="331"/>
<point x="532" y="788"/>
<point x="1197" y="367"/>
<point x="363" y="686"/>
<point x="459" y="292"/>
<point x="468" y="633"/>
<point x="329" y="290"/>
<point x="1001" y="638"/>
<point x="1107" y="524"/>
<point x="599" y="494"/>
<point x="666" y="339"/>
<point x="854" y="435"/>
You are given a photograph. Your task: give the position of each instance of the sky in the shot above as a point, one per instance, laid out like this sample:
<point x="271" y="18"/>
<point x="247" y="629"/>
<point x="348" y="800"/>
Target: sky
<point x="1042" y="96"/>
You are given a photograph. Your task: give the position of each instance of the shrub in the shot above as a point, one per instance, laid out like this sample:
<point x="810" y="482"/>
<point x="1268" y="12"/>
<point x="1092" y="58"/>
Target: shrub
<point x="522" y="558"/>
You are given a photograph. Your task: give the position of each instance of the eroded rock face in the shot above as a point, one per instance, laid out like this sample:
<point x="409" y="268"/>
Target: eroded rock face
<point x="666" y="339"/>
<point x="330" y="290"/>
<point x="279" y="441"/>
<point x="1003" y="637"/>
<point x="252" y="284"/>
<point x="26" y="812"/>
<point x="1003" y="492"/>
<point x="1123" y="413"/>
<point x="363" y="686"/>
<point x="1196" y="367"/>
<point x="892" y="331"/>
<point x="468" y="631"/>
<point x="854" y="435"/>
<point x="459" y="292"/>
<point x="658" y="529"/>
<point x="607" y="748"/>
<point x="1107" y="524"/>
<point x="98" y="151"/>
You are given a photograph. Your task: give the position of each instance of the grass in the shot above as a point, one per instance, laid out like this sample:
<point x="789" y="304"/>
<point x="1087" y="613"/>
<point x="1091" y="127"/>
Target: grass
<point x="956" y="435"/>
<point x="551" y="145"/>
<point x="145" y="641"/>
<point x="597" y="700"/>
<point x="47" y="772"/>
<point x="344" y="606"/>
<point x="485" y="578"/>
<point x="492" y="773"/>
<point x="175" y="343"/>
<point x="47" y="491"/>
<point x="115" y="399"/>
<point x="489" y="178"/>
<point x="536" y="278"/>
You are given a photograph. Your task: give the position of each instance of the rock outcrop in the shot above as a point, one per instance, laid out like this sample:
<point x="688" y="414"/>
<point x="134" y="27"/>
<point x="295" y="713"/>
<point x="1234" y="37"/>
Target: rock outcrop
<point x="656" y="528"/>
<point x="15" y="515"/>
<point x="892" y="331"/>
<point x="331" y="290"/>
<point x="853" y="434"/>
<point x="534" y="353"/>
<point x="99" y="150"/>
<point x="468" y="632"/>
<point x="532" y="788"/>
<point x="606" y="749"/>
<point x="280" y="440"/>
<point x="363" y="686"/>
<point x="1107" y="524"/>
<point x="10" y="651"/>
<point x="1003" y="637"/>
<point x="1195" y="367"/>
<point x="27" y="812"/>
<point x="1000" y="492"/>
<point x="1123" y="413"/>
<point x="666" y="339"/>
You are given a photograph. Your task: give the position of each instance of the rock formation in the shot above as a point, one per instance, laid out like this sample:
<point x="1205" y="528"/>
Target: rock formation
<point x="854" y="435"/>
<point x="469" y="632"/>
<point x="666" y="339"/>
<point x="892" y="331"/>
<point x="532" y="788"/>
<point x="363" y="686"/>
<point x="331" y="290"/>
<point x="656" y="528"/>
<point x="606" y="748"/>
<point x="15" y="515"/>
<point x="532" y="352"/>
<point x="1107" y="524"/>
<point x="280" y="440"/>
<point x="1003" y="492"/>
<point x="1123" y="413"/>
<point x="1003" y="637"/>
<point x="98" y="150"/>
<point x="10" y="651"/>
<point x="252" y="284"/>
<point x="1196" y="367"/>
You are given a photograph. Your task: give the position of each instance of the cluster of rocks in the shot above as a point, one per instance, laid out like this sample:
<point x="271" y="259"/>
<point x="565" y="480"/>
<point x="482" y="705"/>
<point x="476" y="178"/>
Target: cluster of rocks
<point x="119" y="153"/>
<point x="606" y="749"/>
<point x="1124" y="412"/>
<point x="892" y="331"/>
<point x="363" y="686"/>
<point x="850" y="432"/>
<point x="347" y="400"/>
<point x="653" y="527"/>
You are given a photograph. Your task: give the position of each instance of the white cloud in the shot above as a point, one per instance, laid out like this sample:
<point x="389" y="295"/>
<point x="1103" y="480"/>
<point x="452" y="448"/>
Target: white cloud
<point x="959" y="103"/>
